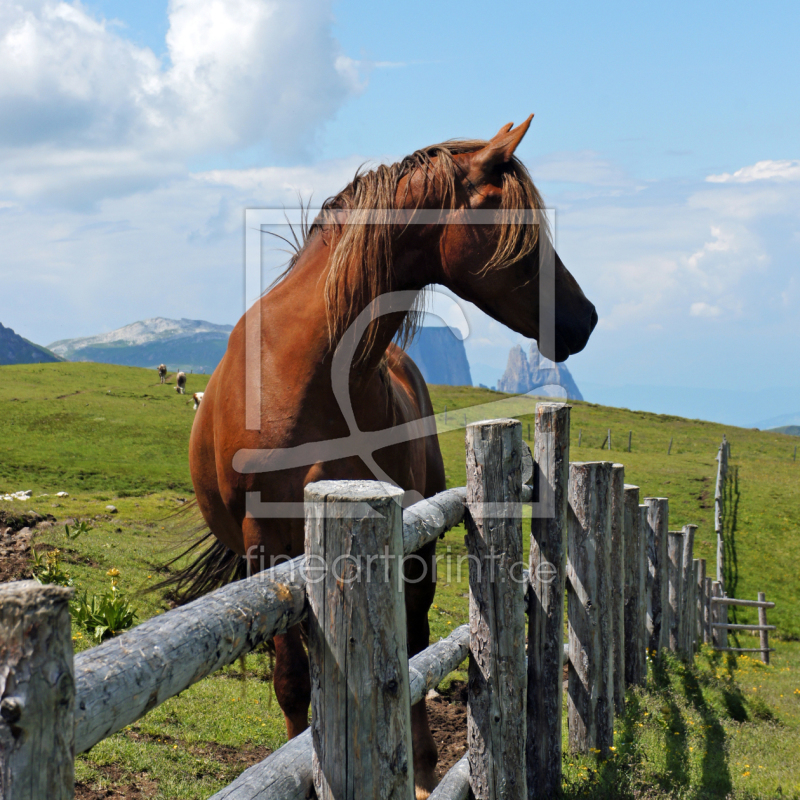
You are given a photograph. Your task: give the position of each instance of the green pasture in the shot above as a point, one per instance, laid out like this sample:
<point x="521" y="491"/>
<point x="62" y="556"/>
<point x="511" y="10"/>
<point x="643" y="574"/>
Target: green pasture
<point x="723" y="727"/>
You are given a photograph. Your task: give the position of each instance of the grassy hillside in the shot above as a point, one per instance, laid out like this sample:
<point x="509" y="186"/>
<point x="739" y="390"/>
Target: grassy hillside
<point x="93" y="427"/>
<point x="725" y="728"/>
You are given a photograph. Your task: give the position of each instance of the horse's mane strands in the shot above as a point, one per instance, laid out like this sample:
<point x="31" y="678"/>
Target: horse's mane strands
<point x="360" y="264"/>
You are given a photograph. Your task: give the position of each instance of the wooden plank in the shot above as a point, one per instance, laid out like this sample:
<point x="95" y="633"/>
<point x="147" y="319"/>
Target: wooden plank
<point x="428" y="519"/>
<point x="547" y="568"/>
<point x="707" y="610"/>
<point x="739" y="627"/>
<point x="764" y="628"/>
<point x="37" y="686"/>
<point x="590" y="690"/>
<point x="686" y="612"/>
<point x="455" y="784"/>
<point x="675" y="589"/>
<point x="496" y="718"/>
<point x="657" y="586"/>
<point x="286" y="773"/>
<point x="700" y="601"/>
<point x="730" y="601"/>
<point x="716" y="634"/>
<point x="635" y="570"/>
<point x="742" y="649"/>
<point x="616" y="566"/>
<point x="360" y="700"/>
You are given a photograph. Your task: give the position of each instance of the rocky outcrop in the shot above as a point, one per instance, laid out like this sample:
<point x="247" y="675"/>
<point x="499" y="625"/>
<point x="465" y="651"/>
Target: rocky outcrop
<point x="14" y="349"/>
<point x="441" y="357"/>
<point x="535" y="373"/>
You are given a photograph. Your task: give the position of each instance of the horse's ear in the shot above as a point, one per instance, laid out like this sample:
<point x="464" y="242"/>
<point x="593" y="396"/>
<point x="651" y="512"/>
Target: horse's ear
<point x="501" y="147"/>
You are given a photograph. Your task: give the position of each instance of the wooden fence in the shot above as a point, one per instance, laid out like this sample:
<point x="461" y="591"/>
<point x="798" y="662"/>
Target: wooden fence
<point x="714" y="603"/>
<point x="631" y="586"/>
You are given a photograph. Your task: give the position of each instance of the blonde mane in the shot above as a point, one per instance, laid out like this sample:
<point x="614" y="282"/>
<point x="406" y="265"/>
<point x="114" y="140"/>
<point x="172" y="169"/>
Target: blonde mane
<point x="360" y="263"/>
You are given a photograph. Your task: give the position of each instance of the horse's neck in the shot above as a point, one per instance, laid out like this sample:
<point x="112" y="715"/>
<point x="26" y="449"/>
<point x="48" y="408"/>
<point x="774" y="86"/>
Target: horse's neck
<point x="296" y="313"/>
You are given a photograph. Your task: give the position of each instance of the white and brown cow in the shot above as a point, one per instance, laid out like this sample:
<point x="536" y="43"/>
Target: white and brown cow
<point x="162" y="372"/>
<point x="197" y="397"/>
<point x="180" y="380"/>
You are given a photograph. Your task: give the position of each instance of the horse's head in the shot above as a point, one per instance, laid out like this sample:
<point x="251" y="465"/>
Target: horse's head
<point x="496" y="266"/>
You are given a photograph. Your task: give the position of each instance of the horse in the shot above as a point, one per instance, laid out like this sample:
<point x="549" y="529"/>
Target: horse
<point x="180" y="381"/>
<point x="337" y="274"/>
<point x="197" y="397"/>
<point x="162" y="372"/>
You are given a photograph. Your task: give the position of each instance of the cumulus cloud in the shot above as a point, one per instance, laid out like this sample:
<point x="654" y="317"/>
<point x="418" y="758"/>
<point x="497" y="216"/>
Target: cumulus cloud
<point x="761" y="171"/>
<point x="86" y="113"/>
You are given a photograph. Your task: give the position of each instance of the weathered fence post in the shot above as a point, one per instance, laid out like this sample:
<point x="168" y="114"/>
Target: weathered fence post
<point x="672" y="617"/>
<point x="547" y="570"/>
<point x="657" y="590"/>
<point x="634" y="590"/>
<point x="496" y="718"/>
<point x="722" y="469"/>
<point x="691" y="623"/>
<point x="617" y="570"/>
<point x="590" y="686"/>
<point x="700" y="611"/>
<point x="686" y="618"/>
<point x="37" y="687"/>
<point x="360" y="701"/>
<point x="762" y="621"/>
<point x="716" y="616"/>
<point x="708" y="614"/>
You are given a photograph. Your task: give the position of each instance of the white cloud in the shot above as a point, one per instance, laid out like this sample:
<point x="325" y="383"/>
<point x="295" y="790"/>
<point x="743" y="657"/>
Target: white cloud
<point x="761" y="171"/>
<point x="85" y="113"/>
<point x="702" y="309"/>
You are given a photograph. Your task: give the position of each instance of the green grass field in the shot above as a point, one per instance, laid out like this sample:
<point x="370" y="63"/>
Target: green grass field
<point x="108" y="434"/>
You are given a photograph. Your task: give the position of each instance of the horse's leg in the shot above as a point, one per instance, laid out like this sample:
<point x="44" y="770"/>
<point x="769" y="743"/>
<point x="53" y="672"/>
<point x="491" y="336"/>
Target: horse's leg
<point x="291" y="678"/>
<point x="419" y="590"/>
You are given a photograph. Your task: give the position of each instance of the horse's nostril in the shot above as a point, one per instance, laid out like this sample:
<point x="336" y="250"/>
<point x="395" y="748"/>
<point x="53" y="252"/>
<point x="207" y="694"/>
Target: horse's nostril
<point x="593" y="319"/>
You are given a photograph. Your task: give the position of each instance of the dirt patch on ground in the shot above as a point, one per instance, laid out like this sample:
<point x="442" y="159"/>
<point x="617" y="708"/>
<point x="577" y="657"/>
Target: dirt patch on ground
<point x="16" y="534"/>
<point x="448" y="719"/>
<point x="116" y="782"/>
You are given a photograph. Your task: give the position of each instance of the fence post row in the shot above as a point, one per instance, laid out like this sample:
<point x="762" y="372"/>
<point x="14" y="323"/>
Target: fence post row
<point x="37" y="684"/>
<point x="361" y="716"/>
<point x="496" y="711"/>
<point x="590" y="688"/>
<point x="631" y="584"/>
<point x="547" y="570"/>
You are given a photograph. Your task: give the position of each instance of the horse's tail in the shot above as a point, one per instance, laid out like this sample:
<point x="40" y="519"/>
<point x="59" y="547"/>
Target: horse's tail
<point x="213" y="565"/>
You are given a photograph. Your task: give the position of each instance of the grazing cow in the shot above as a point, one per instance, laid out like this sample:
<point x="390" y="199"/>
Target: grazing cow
<point x="197" y="397"/>
<point x="181" y="381"/>
<point x="162" y="372"/>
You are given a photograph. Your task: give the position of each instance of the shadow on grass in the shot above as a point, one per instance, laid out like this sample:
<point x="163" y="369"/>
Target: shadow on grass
<point x="623" y="777"/>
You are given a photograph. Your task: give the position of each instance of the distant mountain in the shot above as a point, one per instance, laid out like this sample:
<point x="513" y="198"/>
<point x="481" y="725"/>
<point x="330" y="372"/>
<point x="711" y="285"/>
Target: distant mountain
<point x="14" y="349"/>
<point x="775" y="423"/>
<point x="441" y="357"/>
<point x="187" y="344"/>
<point x="791" y="430"/>
<point x="537" y="373"/>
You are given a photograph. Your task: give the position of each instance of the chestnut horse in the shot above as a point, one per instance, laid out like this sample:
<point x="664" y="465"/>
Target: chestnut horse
<point x="337" y="273"/>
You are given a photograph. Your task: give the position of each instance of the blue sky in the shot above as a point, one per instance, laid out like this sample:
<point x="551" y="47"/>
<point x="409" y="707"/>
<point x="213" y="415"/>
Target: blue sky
<point x="132" y="135"/>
